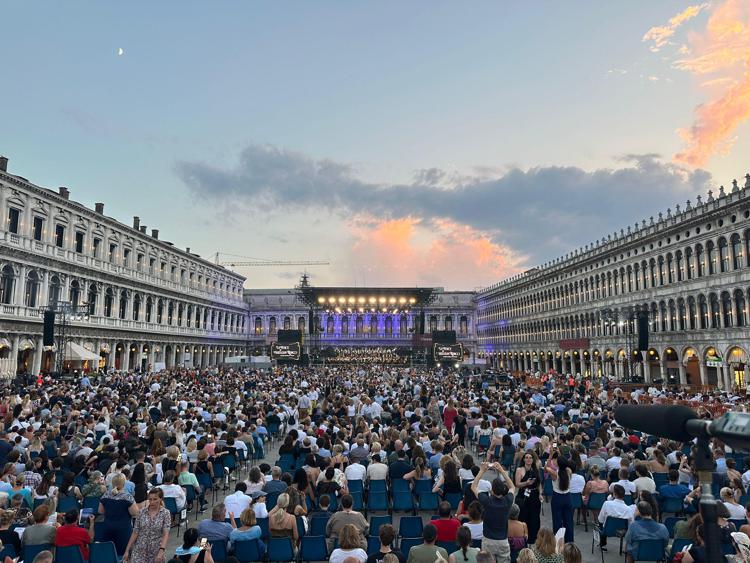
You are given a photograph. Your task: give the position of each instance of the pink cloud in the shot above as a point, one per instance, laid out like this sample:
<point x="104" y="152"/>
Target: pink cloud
<point x="411" y="251"/>
<point x="660" y="34"/>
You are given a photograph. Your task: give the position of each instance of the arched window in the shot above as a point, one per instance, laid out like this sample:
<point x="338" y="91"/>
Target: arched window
<point x="344" y="325"/>
<point x="661" y="270"/>
<point x="109" y="301"/>
<point x="197" y="317"/>
<point x="389" y="325"/>
<point x="170" y="313"/>
<point x="700" y="260"/>
<point x="92" y="297"/>
<point x="723" y="255"/>
<point x="726" y="309"/>
<point x="258" y="325"/>
<point x="680" y="266"/>
<point x="272" y="325"/>
<point x="160" y="311"/>
<point x="32" y="289"/>
<point x="75" y="293"/>
<point x="7" y="284"/>
<point x="711" y="256"/>
<point x="373" y="324"/>
<point x="330" y="324"/>
<point x="149" y="309"/>
<point x="360" y="326"/>
<point x="747" y="247"/>
<point x="690" y="264"/>
<point x="55" y="289"/>
<point x="682" y="313"/>
<point x="403" y="325"/>
<point x="740" y="308"/>
<point x="123" y="303"/>
<point x="672" y="315"/>
<point x="136" y="307"/>
<point x="703" y="312"/>
<point x="692" y="313"/>
<point x="448" y="323"/>
<point x="464" y="325"/>
<point x="189" y="316"/>
<point x="287" y="323"/>
<point x="736" y="252"/>
<point x="670" y="268"/>
<point x="180" y="310"/>
<point x="301" y="324"/>
<point x="715" y="312"/>
<point x="630" y="279"/>
<point x="637" y="275"/>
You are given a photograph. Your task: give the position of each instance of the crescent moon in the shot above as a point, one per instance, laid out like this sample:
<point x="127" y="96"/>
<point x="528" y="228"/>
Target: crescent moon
<point x="120" y="51"/>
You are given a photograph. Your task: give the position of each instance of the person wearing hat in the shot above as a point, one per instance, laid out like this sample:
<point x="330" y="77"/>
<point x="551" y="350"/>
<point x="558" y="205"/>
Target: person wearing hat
<point x="259" y="504"/>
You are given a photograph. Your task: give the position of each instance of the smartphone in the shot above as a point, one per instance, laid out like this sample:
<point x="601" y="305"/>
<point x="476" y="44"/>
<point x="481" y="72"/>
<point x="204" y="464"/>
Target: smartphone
<point x="554" y="445"/>
<point x="204" y="542"/>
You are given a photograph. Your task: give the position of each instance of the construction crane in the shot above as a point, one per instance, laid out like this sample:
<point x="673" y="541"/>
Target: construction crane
<point x="253" y="262"/>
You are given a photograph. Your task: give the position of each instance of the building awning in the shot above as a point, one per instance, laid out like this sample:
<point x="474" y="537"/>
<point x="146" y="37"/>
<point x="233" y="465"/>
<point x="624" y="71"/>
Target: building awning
<point x="78" y="353"/>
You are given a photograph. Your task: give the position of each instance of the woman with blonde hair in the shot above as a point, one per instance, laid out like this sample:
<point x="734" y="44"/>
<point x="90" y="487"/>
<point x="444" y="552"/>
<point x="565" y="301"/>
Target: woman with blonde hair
<point x="349" y="546"/>
<point x="249" y="529"/>
<point x="281" y="524"/>
<point x="545" y="549"/>
<point x="7" y="535"/>
<point x="171" y="461"/>
<point x="191" y="450"/>
<point x="526" y="555"/>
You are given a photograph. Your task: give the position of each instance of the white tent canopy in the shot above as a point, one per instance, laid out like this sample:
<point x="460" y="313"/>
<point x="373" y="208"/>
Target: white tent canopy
<point x="77" y="353"/>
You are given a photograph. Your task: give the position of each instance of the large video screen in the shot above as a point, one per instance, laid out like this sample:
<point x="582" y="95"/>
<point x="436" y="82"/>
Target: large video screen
<point x="448" y="352"/>
<point x="286" y="351"/>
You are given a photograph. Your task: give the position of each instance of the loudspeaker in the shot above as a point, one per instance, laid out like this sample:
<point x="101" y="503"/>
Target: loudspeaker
<point x="643" y="330"/>
<point x="421" y="322"/>
<point x="48" y="336"/>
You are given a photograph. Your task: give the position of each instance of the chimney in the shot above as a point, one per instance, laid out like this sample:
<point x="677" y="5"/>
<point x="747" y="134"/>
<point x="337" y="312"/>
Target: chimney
<point x="143" y="229"/>
<point x="64" y="192"/>
<point x="136" y="222"/>
<point x="155" y="233"/>
<point x="99" y="208"/>
<point x="187" y="250"/>
<point x="3" y="164"/>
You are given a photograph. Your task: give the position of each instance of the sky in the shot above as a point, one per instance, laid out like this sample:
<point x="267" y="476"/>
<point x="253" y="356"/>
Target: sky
<point x="422" y="143"/>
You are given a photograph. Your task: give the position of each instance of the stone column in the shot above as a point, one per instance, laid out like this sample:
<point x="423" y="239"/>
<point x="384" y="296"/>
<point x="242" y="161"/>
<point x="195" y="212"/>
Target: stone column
<point x="683" y="375"/>
<point x="704" y="376"/>
<point x="125" y="364"/>
<point x="36" y="365"/>
<point x="20" y="289"/>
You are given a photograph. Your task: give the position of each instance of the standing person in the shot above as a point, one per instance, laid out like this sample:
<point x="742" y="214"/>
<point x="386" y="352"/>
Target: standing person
<point x="496" y="506"/>
<point x="118" y="507"/>
<point x="148" y="541"/>
<point x="562" y="507"/>
<point x="449" y="416"/>
<point x="528" y="480"/>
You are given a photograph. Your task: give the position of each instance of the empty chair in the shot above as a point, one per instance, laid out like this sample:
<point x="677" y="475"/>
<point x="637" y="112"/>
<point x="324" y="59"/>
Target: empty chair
<point x="70" y="554"/>
<point x="313" y="548"/>
<point x="280" y="549"/>
<point x="650" y="550"/>
<point x="219" y="550"/>
<point x="377" y="521"/>
<point x="410" y="527"/>
<point x="31" y="551"/>
<point x="249" y="550"/>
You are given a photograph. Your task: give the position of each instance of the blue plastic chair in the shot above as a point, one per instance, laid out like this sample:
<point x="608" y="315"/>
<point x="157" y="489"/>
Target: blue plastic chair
<point x="373" y="545"/>
<point x="377" y="501"/>
<point x="408" y="543"/>
<point x="670" y="522"/>
<point x="355" y="486"/>
<point x="7" y="551"/>
<point x="596" y="501"/>
<point x="219" y="550"/>
<point x="300" y="527"/>
<point x="357" y="503"/>
<point x="403" y="501"/>
<point x="678" y="545"/>
<point x="454" y="499"/>
<point x="650" y="550"/>
<point x="280" y="549"/>
<point x="67" y="503"/>
<point x="660" y="479"/>
<point x="410" y="527"/>
<point x="672" y="504"/>
<point x="265" y="531"/>
<point x="31" y="551"/>
<point x="399" y="486"/>
<point x="482" y="444"/>
<point x="422" y="486"/>
<point x="613" y="528"/>
<point x="170" y="503"/>
<point x="70" y="554"/>
<point x="314" y="548"/>
<point x="448" y="546"/>
<point x="249" y="550"/>
<point x="271" y="500"/>
<point x="318" y="525"/>
<point x="103" y="552"/>
<point x="428" y="501"/>
<point x="377" y="486"/>
<point x="377" y="521"/>
<point x="547" y="488"/>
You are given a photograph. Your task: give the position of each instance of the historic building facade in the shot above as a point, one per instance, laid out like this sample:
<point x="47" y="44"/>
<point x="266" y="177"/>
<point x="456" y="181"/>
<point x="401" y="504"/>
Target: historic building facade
<point x="149" y="303"/>
<point x="688" y="270"/>
<point x="360" y="317"/>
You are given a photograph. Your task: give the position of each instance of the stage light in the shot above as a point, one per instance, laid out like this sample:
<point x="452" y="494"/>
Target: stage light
<point x="342" y="299"/>
<point x="372" y="310"/>
<point x="351" y="300"/>
<point x="321" y="300"/>
<point x="361" y="300"/>
<point x="438" y="364"/>
<point x="361" y="310"/>
<point x="382" y="300"/>
<point x="385" y="310"/>
<point x="412" y="300"/>
<point x="373" y="299"/>
<point x="456" y="365"/>
<point x="392" y="300"/>
<point x="402" y="300"/>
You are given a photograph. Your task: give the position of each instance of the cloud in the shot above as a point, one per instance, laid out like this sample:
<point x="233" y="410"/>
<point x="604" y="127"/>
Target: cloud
<point x="660" y="34"/>
<point x="411" y="251"/>
<point x="539" y="213"/>
<point x="722" y="53"/>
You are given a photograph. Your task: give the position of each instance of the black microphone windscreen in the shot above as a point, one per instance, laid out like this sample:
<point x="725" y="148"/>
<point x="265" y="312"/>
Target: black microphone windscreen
<point x="664" y="421"/>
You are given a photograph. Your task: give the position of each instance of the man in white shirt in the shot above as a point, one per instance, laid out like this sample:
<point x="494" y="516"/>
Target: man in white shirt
<point x="238" y="501"/>
<point x="171" y="490"/>
<point x="614" y="461"/>
<point x="377" y="470"/>
<point x="355" y="472"/>
<point x="627" y="485"/>
<point x="617" y="509"/>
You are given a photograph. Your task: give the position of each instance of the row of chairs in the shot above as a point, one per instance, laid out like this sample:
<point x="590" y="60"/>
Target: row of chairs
<point x="99" y="552"/>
